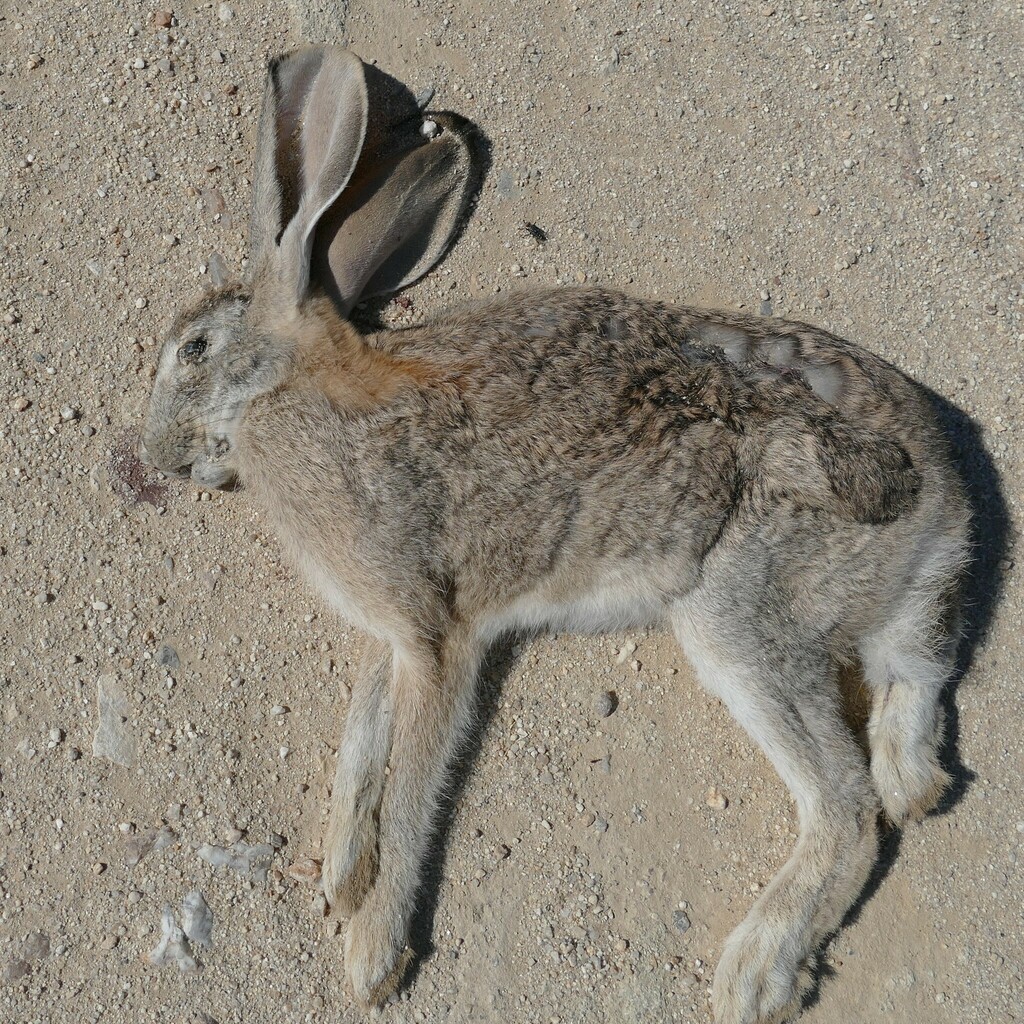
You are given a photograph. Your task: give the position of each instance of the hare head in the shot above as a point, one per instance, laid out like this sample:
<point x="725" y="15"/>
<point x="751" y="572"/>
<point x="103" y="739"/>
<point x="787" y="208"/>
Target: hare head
<point x="355" y="194"/>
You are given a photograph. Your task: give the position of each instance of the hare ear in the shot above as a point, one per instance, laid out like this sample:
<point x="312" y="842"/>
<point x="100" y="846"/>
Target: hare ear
<point x="399" y="215"/>
<point x="311" y="133"/>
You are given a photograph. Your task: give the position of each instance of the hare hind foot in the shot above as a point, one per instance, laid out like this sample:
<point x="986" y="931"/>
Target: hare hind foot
<point x="909" y="780"/>
<point x="782" y="686"/>
<point x="377" y="953"/>
<point x="905" y="732"/>
<point x="907" y="661"/>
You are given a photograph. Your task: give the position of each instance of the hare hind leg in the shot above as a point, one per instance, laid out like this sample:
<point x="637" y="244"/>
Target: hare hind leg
<point x="907" y="662"/>
<point x="785" y="694"/>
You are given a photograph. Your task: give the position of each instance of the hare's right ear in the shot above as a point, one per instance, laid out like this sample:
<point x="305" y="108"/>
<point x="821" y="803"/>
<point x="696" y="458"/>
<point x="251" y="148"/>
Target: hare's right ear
<point x="311" y="133"/>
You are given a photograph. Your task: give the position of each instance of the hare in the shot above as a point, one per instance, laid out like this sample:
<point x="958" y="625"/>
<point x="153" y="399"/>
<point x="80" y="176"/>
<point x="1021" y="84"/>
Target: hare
<point x="781" y="499"/>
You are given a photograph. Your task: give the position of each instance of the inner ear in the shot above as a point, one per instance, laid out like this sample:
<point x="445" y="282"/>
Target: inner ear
<point x="332" y="131"/>
<point x="398" y="216"/>
<point x="310" y="133"/>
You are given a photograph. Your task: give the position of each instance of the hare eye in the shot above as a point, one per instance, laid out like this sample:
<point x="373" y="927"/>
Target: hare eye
<point x="192" y="351"/>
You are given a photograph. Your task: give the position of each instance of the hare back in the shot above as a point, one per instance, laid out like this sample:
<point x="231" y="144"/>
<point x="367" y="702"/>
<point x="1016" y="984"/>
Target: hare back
<point x="820" y="419"/>
<point x="557" y="335"/>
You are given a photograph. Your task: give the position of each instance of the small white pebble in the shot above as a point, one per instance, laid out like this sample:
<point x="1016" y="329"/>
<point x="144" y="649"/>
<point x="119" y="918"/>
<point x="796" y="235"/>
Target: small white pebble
<point x="625" y="651"/>
<point x="715" y="799"/>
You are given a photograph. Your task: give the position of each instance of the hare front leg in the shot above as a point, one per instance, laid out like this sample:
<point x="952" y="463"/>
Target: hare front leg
<point x="350" y="847"/>
<point x="432" y="700"/>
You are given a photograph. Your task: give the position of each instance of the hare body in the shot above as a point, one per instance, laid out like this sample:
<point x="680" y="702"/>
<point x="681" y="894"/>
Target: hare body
<point x="532" y="464"/>
<point x="779" y="498"/>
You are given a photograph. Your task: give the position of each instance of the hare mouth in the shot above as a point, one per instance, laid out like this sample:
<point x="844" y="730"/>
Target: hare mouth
<point x="212" y="474"/>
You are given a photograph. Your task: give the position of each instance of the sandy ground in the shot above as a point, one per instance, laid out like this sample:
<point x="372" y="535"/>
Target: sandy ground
<point x="858" y="165"/>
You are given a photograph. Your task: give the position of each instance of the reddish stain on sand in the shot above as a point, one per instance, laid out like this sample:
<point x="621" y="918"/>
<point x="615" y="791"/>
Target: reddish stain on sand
<point x="131" y="479"/>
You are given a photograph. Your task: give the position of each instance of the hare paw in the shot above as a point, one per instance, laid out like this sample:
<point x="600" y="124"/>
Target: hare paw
<point x="910" y="784"/>
<point x="760" y="978"/>
<point x="376" y="953"/>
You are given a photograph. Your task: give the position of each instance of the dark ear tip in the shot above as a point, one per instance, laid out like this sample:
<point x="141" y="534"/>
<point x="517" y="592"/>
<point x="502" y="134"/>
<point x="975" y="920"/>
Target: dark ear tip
<point x="472" y="136"/>
<point x="476" y="150"/>
<point x="455" y="123"/>
<point x="275" y="62"/>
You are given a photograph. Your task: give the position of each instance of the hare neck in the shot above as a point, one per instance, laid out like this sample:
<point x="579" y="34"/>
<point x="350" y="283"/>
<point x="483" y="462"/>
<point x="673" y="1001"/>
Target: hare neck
<point x="334" y="358"/>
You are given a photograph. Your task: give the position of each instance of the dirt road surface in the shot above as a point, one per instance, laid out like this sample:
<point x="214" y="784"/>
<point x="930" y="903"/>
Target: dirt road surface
<point x="854" y="164"/>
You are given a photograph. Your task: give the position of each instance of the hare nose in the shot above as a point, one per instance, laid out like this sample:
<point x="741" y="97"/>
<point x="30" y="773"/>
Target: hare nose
<point x="143" y="453"/>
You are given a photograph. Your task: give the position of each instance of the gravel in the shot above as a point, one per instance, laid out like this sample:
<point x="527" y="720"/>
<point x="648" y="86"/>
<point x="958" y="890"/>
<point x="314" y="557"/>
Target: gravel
<point x="36" y="946"/>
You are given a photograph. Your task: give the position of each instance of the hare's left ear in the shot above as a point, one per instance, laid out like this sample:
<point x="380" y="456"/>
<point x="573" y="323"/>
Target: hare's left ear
<point x="310" y="136"/>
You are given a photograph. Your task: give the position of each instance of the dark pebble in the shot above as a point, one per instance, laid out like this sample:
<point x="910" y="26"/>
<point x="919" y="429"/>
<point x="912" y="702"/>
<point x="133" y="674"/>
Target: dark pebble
<point x="17" y="970"/>
<point x="37" y="946"/>
<point x="168" y="657"/>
